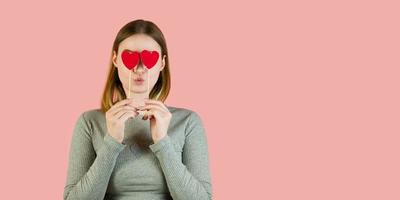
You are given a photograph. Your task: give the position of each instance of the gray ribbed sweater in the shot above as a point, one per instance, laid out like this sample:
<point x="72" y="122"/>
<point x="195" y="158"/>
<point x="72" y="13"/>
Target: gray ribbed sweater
<point x="176" y="167"/>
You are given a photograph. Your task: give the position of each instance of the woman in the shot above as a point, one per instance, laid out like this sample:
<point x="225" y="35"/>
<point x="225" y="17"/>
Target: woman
<point x="115" y="154"/>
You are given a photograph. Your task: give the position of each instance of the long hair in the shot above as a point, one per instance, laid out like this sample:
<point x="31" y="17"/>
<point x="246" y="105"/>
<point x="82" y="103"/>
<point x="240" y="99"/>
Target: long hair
<point x="113" y="90"/>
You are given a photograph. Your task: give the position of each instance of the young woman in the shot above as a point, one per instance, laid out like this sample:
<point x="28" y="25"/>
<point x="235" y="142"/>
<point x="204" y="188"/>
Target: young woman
<point x="115" y="154"/>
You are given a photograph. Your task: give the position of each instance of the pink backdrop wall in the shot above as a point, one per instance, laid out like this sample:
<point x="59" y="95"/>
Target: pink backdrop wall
<point x="300" y="99"/>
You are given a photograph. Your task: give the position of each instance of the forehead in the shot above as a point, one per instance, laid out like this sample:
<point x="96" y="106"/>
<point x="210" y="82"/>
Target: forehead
<point x="139" y="42"/>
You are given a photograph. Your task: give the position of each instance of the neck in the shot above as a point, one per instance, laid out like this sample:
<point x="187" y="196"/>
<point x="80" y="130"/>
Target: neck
<point x="140" y="96"/>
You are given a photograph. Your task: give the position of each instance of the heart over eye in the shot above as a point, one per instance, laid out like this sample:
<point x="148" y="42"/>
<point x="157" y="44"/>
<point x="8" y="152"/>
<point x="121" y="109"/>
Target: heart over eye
<point x="149" y="58"/>
<point x="130" y="58"/>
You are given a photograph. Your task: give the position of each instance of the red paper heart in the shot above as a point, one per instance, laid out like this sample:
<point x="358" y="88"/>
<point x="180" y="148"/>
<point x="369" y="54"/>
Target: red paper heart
<point x="149" y="59"/>
<point x="130" y="58"/>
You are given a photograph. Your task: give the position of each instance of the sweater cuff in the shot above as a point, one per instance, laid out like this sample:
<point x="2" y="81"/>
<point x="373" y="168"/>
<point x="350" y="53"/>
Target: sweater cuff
<point x="165" y="141"/>
<point x="113" y="144"/>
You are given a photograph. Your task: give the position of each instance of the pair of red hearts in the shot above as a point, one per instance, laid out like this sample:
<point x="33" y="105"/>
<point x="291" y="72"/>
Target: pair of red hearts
<point x="131" y="58"/>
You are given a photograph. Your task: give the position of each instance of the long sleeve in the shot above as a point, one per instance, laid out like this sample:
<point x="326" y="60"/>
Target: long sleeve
<point x="88" y="174"/>
<point x="188" y="178"/>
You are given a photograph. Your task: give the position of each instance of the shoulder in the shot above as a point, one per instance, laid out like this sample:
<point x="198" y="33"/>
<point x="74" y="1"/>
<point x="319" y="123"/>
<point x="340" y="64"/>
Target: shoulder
<point x="190" y="118"/>
<point x="185" y="113"/>
<point x="90" y="116"/>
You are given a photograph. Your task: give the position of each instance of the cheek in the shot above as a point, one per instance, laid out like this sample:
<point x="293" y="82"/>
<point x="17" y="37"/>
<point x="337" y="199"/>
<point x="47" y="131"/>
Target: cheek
<point x="154" y="74"/>
<point x="155" y="70"/>
<point x="123" y="74"/>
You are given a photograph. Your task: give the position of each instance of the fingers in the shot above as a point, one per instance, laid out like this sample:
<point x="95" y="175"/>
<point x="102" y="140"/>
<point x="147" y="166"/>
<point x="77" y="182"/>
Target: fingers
<point x="123" y="108"/>
<point x="121" y="111"/>
<point x="152" y="107"/>
<point x="125" y="115"/>
<point x="151" y="114"/>
<point x="155" y="102"/>
<point x="119" y="105"/>
<point x="153" y="110"/>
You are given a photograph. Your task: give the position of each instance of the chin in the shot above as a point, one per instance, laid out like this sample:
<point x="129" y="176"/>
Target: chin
<point x="140" y="91"/>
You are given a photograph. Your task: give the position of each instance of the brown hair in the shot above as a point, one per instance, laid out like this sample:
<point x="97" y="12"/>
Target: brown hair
<point x="113" y="91"/>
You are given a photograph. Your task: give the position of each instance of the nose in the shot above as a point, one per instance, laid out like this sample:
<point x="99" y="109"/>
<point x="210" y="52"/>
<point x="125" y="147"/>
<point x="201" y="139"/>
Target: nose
<point x="140" y="67"/>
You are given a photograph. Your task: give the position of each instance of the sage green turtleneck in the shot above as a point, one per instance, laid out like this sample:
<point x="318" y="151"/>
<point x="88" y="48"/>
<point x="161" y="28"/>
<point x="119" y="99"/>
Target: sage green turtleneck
<point x="176" y="167"/>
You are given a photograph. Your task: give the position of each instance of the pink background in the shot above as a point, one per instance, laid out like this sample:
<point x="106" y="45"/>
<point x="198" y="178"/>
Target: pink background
<point x="300" y="99"/>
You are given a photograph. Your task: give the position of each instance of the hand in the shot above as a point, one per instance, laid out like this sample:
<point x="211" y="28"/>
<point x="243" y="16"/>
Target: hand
<point x="159" y="116"/>
<point x="116" y="117"/>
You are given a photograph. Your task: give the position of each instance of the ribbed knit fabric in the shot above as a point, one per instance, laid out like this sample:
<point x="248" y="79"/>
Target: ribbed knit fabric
<point x="176" y="167"/>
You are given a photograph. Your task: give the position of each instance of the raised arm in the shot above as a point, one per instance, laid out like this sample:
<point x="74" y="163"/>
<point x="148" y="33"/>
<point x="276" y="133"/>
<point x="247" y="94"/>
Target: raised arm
<point x="189" y="178"/>
<point x="88" y="174"/>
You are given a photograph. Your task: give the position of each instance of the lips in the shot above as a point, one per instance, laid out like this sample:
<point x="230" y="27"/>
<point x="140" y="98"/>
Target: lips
<point x="138" y="79"/>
